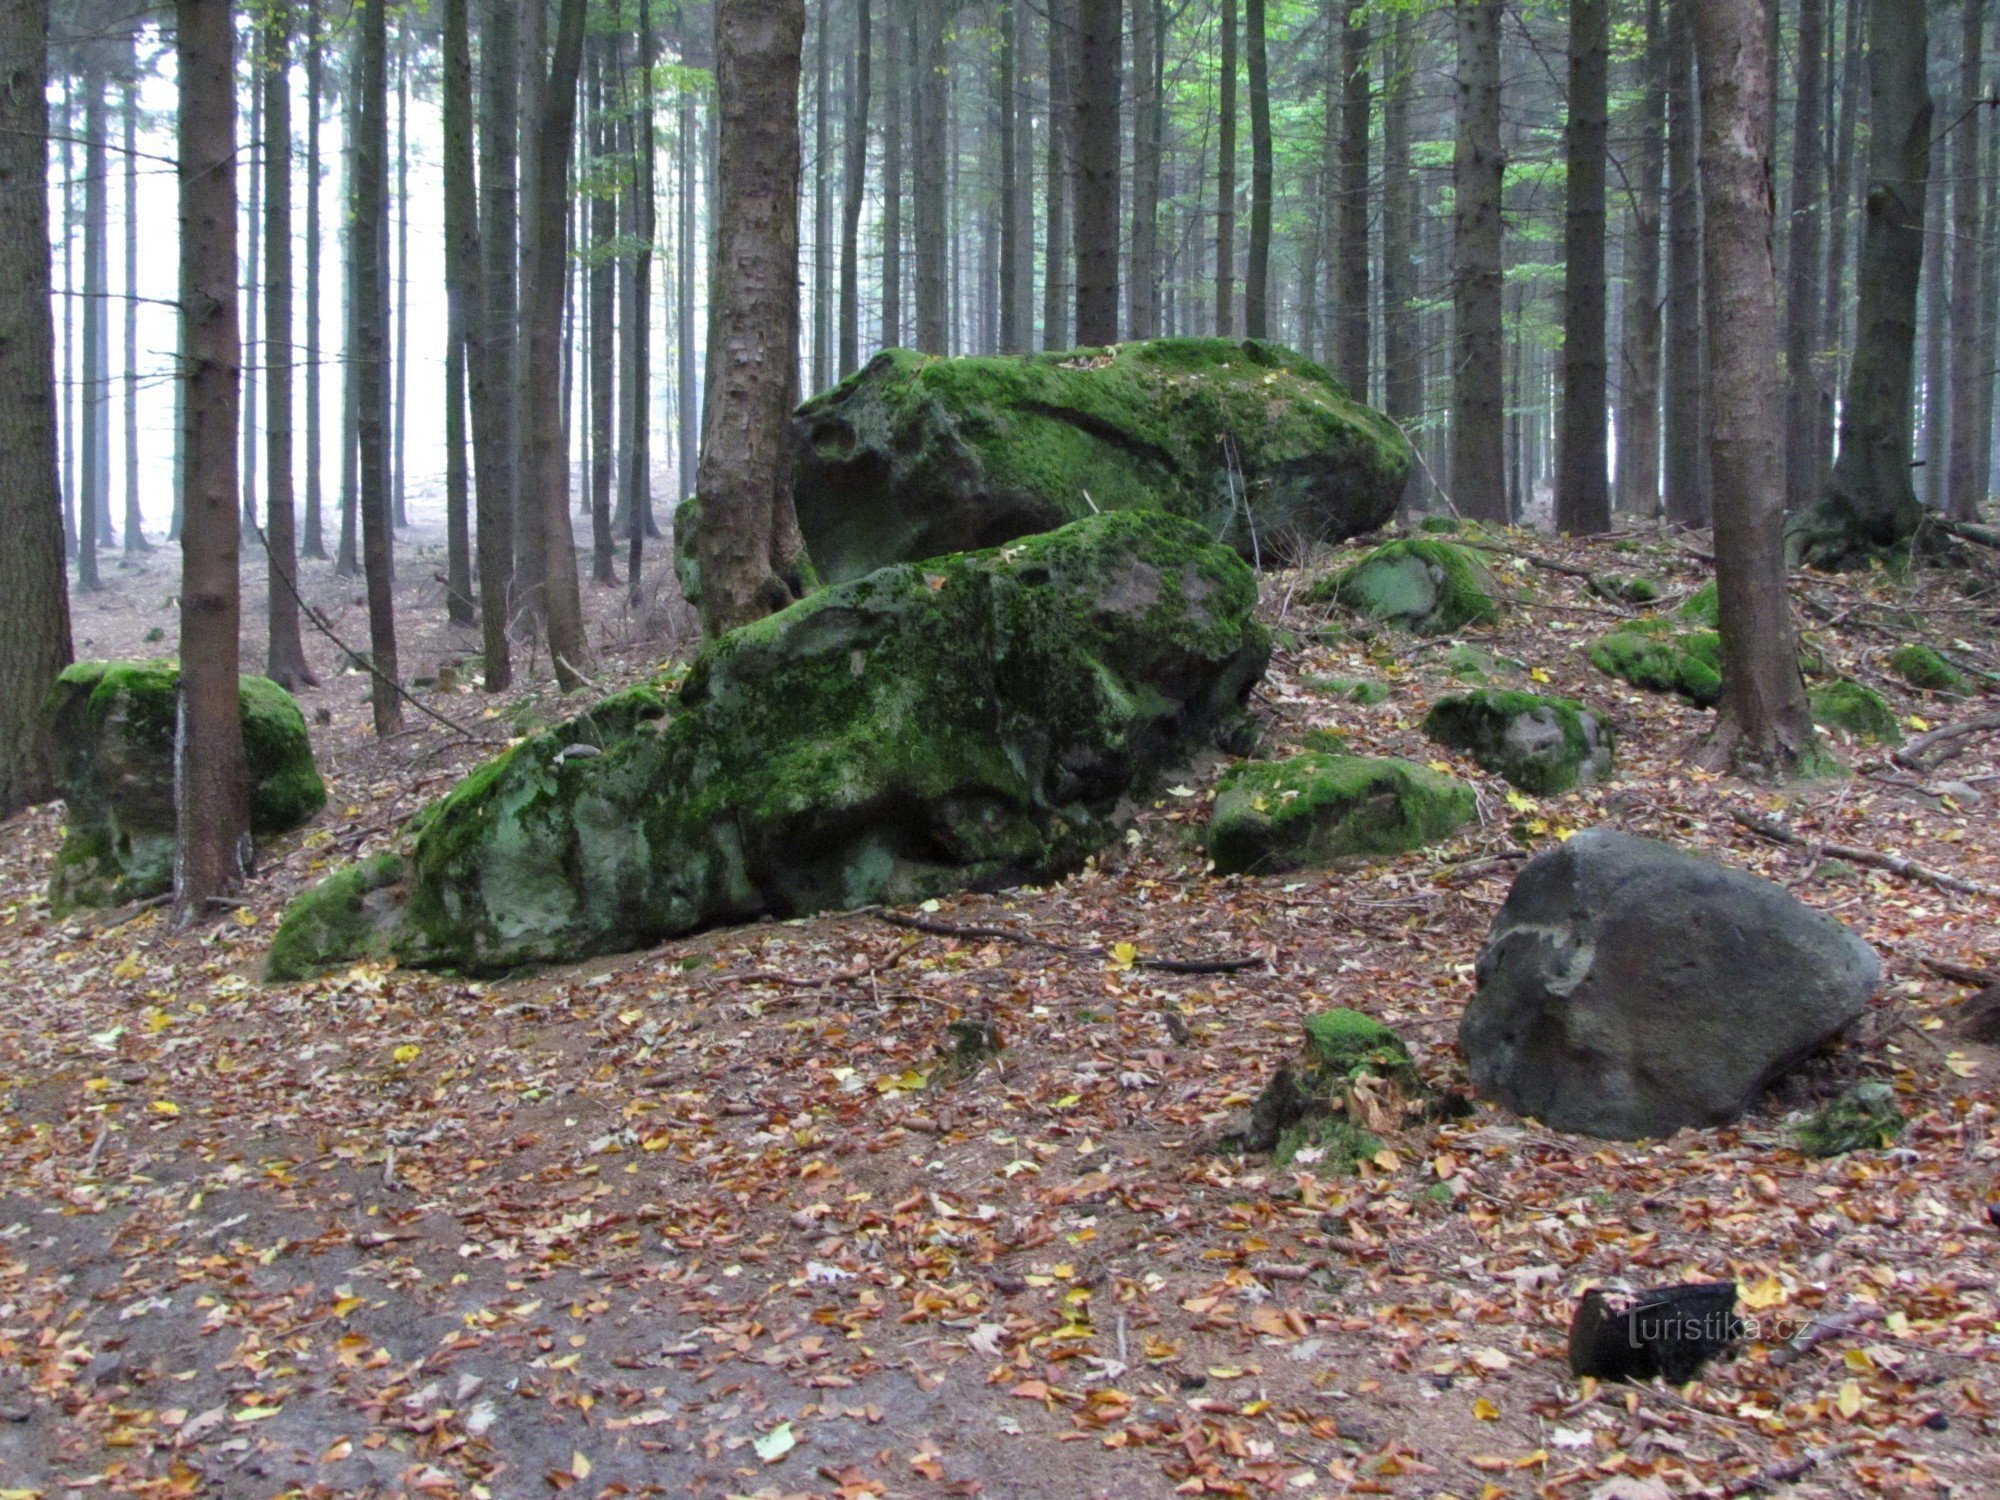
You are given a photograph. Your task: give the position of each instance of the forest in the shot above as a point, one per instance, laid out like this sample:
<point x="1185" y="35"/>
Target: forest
<point x="998" y="747"/>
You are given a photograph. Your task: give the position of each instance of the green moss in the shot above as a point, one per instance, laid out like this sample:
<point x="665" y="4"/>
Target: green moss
<point x="1651" y="654"/>
<point x="1354" y="689"/>
<point x="1624" y="588"/>
<point x="1314" y="808"/>
<point x="1440" y="525"/>
<point x="340" y="920"/>
<point x="1348" y="1043"/>
<point x="285" y="785"/>
<point x="1418" y="583"/>
<point x="1925" y="667"/>
<point x="1865" y="1118"/>
<point x="1350" y="1077"/>
<point x="1858" y="710"/>
<point x="1542" y="745"/>
<point x="1702" y="607"/>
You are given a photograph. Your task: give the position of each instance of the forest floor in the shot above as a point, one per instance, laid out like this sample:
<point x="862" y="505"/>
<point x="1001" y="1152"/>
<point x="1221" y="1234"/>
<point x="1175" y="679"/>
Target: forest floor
<point x="710" y="1220"/>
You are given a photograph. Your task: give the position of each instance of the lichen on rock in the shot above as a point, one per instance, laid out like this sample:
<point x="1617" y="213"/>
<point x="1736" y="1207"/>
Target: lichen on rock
<point x="1309" y="810"/>
<point x="973" y="721"/>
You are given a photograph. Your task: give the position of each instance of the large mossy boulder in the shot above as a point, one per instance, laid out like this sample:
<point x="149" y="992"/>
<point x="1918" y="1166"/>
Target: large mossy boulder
<point x="1419" y="584"/>
<point x="1541" y="745"/>
<point x="1629" y="988"/>
<point x="974" y="721"/>
<point x="113" y="729"/>
<point x="914" y="455"/>
<point x="1309" y="810"/>
<point x="1654" y="655"/>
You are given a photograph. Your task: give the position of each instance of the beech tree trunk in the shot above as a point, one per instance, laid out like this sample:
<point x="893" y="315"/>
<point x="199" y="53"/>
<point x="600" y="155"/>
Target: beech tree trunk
<point x="637" y="499"/>
<point x="1765" y="725"/>
<point x="1839" y="201"/>
<point x="1257" y="268"/>
<point x="1479" y="431"/>
<point x="894" y="97"/>
<point x="746" y="540"/>
<point x="369" y="189"/>
<point x="211" y="798"/>
<point x="285" y="656"/>
<point x="603" y="292"/>
<point x="93" y="444"/>
<point x="1098" y="30"/>
<point x="34" y="593"/>
<point x="1583" y="480"/>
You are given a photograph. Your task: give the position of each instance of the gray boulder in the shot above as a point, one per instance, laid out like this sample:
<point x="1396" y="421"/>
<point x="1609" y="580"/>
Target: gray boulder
<point x="1628" y="988"/>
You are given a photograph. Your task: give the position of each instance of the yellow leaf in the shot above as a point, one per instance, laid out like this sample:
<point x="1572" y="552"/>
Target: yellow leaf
<point x="1122" y="955"/>
<point x="1520" y="801"/>
<point x="1538" y="674"/>
<point x="129" y="967"/>
<point x="1916" y="722"/>
<point x="406" y="1054"/>
<point x="165" y="1107"/>
<point x="257" y="1413"/>
<point x="345" y="1306"/>
<point x="246" y="917"/>
<point x="1770" y="1292"/>
<point x="157" y="1020"/>
<point x="1068" y="1101"/>
<point x="1849" y="1400"/>
<point x="1960" y="1064"/>
<point x="1443" y="767"/>
<point x="1485" y="1410"/>
<point x="1388" y="1160"/>
<point x="579" y="1466"/>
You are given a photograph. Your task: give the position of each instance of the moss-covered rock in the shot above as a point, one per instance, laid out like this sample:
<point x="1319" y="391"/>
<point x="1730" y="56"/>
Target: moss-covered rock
<point x="1860" y="711"/>
<point x="914" y="455"/>
<point x="1350" y="1079"/>
<point x="1361" y="690"/>
<point x="113" y="724"/>
<point x="1541" y="745"/>
<point x="1470" y="664"/>
<point x="1417" y="583"/>
<point x="1865" y="1118"/>
<point x="970" y="722"/>
<point x="1925" y="667"/>
<point x="1652" y="654"/>
<point x="1625" y="588"/>
<point x="1308" y="810"/>
<point x="1703" y="607"/>
<point x="1441" y="525"/>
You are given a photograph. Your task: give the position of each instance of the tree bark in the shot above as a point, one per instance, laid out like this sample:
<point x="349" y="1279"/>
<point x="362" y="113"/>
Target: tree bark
<point x="745" y="541"/>
<point x="1351" y="357"/>
<point x="822" y="171"/>
<point x="253" y="288"/>
<point x="1804" y="264"/>
<point x="211" y="799"/>
<point x="370" y="190"/>
<point x="314" y="542"/>
<point x="1639" y="406"/>
<point x="462" y="316"/>
<point x="1142" y="273"/>
<point x="285" y="655"/>
<point x="1765" y="726"/>
<point x="1687" y="485"/>
<point x="854" y="189"/>
<point x="1870" y="505"/>
<point x="687" y="433"/>
<point x="895" y="96"/>
<point x="94" y="485"/>
<point x="1839" y="197"/>
<point x="135" y="535"/>
<point x="1965" y="487"/>
<point x="1055" y="255"/>
<point x="1583" y="480"/>
<point x="1225" y="178"/>
<point x="603" y="292"/>
<point x="492" y="346"/>
<point x="34" y="595"/>
<point x="1099" y="25"/>
<point x="1479" y="432"/>
<point x="1402" y="350"/>
<point x="637" y="432"/>
<point x="932" y="145"/>
<point x="398" y="472"/>
<point x="1257" y="267"/>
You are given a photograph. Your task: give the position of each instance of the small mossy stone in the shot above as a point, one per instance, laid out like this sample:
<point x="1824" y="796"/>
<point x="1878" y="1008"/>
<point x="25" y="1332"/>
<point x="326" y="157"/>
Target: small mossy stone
<point x="344" y="918"/>
<point x="1925" y="667"/>
<point x="1702" y="607"/>
<point x="1350" y="1042"/>
<point x="1312" y="809"/>
<point x="1351" y="1077"/>
<point x="1625" y="588"/>
<point x="1328" y="741"/>
<point x="1419" y="584"/>
<point x="1440" y="525"/>
<point x="1470" y="664"/>
<point x="1860" y="711"/>
<point x="1865" y="1118"/>
<point x="1541" y="745"/>
<point x="1359" y="690"/>
<point x="1652" y="654"/>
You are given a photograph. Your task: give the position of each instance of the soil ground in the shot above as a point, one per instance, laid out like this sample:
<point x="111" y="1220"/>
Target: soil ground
<point x="714" y="1220"/>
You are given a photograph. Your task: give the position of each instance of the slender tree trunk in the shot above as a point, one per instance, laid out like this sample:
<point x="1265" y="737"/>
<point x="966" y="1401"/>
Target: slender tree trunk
<point x="211" y="799"/>
<point x="1765" y="726"/>
<point x="603" y="293"/>
<point x="688" y="439"/>
<point x="530" y="598"/>
<point x="932" y="146"/>
<point x="1257" y="269"/>
<point x="1055" y="254"/>
<point x="1351" y="360"/>
<point x="1098" y="29"/>
<point x="1225" y="179"/>
<point x="34" y="596"/>
<point x="1989" y="320"/>
<point x="314" y="541"/>
<point x="94" y="483"/>
<point x="746" y="533"/>
<point x="1583" y="481"/>
<point x="68" y="419"/>
<point x="1639" y="411"/>
<point x="1839" y="201"/>
<point x="1402" y="356"/>
<point x="285" y="655"/>
<point x="492" y="351"/>
<point x="464" y="374"/>
<point x="1965" y="488"/>
<point x="1804" y="263"/>
<point x="347" y="555"/>
<point x="894" y="97"/>
<point x="823" y="340"/>
<point x="1686" y="495"/>
<point x="1870" y="504"/>
<point x="854" y="188"/>
<point x="369" y="190"/>
<point x="253" y="287"/>
<point x="1479" y="432"/>
<point x="135" y="536"/>
<point x="1936" y="281"/>
<point x="638" y="471"/>
<point x="1142" y="275"/>
<point x="399" y="474"/>
<point x="1007" y="105"/>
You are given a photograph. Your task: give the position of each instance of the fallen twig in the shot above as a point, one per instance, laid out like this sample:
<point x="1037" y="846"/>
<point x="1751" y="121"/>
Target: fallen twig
<point x="1895" y="864"/>
<point x="1784" y="1471"/>
<point x="1916" y="754"/>
<point x="936" y="928"/>
<point x="1819" y="1330"/>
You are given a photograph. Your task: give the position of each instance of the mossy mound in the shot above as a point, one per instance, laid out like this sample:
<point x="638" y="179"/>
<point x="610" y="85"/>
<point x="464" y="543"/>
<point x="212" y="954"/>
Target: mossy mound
<point x="1441" y="525"/>
<point x="914" y="455"/>
<point x="1471" y="664"/>
<point x="1541" y="745"/>
<point x="1625" y="588"/>
<point x="1361" y="690"/>
<point x="113" y="724"/>
<point x="1419" y="584"/>
<point x="1858" y="710"/>
<point x="1703" y="607"/>
<point x="1865" y="1118"/>
<point x="1306" y="811"/>
<point x="1350" y="1081"/>
<point x="1925" y="667"/>
<point x="970" y="722"/>
<point x="1652" y="654"/>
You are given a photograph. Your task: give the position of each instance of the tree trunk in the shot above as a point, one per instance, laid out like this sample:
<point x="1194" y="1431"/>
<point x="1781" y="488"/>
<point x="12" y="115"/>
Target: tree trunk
<point x="1687" y="487"/>
<point x="532" y="385"/>
<point x="1142" y="274"/>
<point x="1639" y="408"/>
<point x="135" y="535"/>
<point x="1402" y="348"/>
<point x="1225" y="179"/>
<point x="1013" y="322"/>
<point x="1804" y="263"/>
<point x="398" y="471"/>
<point x="1935" y="408"/>
<point x="1583" y="481"/>
<point x="1765" y="726"/>
<point x="746" y="538"/>
<point x="68" y="421"/>
<point x="94" y="484"/>
<point x="894" y="98"/>
<point x="369" y="187"/>
<point x="687" y="433"/>
<point x="1870" y="505"/>
<point x="314" y="543"/>
<point x="492" y="350"/>
<point x="854" y="190"/>
<point x="603" y="292"/>
<point x="638" y="471"/>
<point x="1479" y="432"/>
<point x="1098" y="31"/>
<point x="253" y="286"/>
<point x="932" y="145"/>
<point x="285" y="656"/>
<point x="1257" y="268"/>
<point x="34" y="597"/>
<point x="462" y="316"/>
<point x="1055" y="254"/>
<point x="1839" y="197"/>
<point x="211" y="799"/>
<point x="1351" y="357"/>
<point x="1965" y="488"/>
<point x="347" y="557"/>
